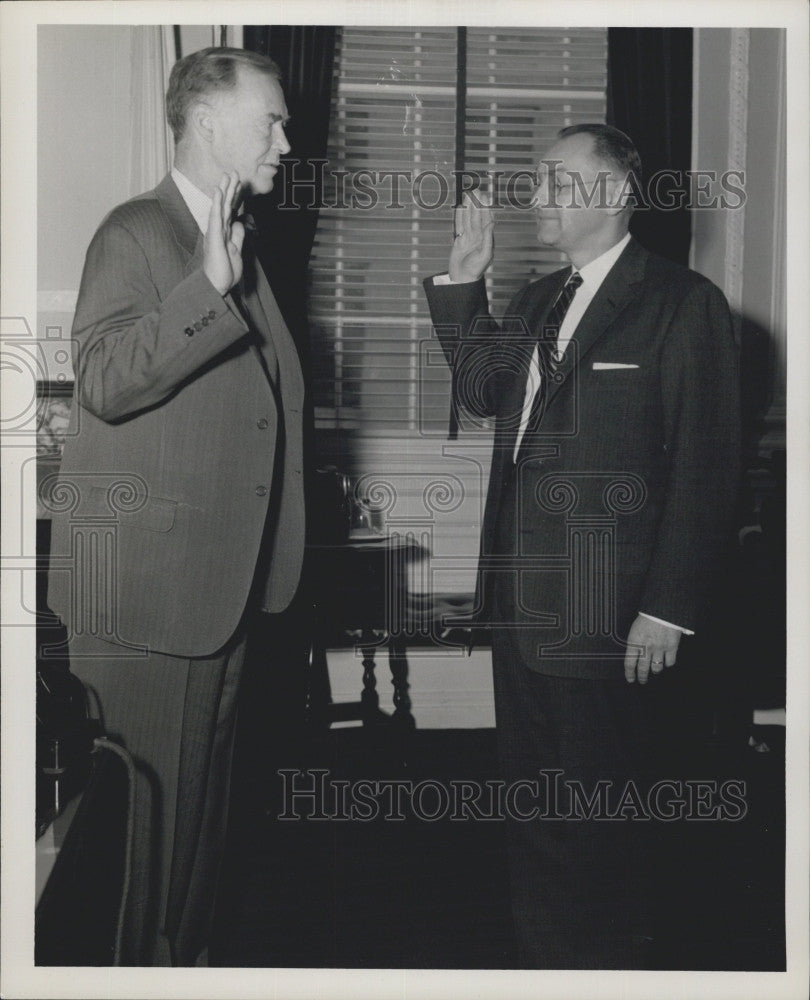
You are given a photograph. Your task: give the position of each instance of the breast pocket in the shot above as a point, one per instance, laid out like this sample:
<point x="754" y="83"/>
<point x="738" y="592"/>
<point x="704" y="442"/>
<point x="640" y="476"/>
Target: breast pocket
<point x="615" y="383"/>
<point x="619" y="408"/>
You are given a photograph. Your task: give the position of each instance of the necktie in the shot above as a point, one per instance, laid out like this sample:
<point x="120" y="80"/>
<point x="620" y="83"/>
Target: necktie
<point x="247" y="220"/>
<point x="245" y="291"/>
<point x="547" y="346"/>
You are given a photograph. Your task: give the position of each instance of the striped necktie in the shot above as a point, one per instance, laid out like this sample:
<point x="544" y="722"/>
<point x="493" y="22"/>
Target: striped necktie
<point x="547" y="346"/>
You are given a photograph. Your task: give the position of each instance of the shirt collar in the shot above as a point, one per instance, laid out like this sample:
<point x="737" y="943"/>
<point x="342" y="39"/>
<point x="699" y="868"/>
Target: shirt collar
<point x="595" y="272"/>
<point x="198" y="203"/>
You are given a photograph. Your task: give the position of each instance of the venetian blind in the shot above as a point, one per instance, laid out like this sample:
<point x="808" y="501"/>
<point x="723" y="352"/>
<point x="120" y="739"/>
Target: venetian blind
<point x="395" y="109"/>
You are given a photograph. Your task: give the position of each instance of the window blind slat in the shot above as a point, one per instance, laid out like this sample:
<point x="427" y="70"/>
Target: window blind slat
<point x="394" y="108"/>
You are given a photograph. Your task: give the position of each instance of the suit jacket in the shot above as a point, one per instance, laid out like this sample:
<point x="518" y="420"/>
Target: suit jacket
<point x="622" y="497"/>
<point x="184" y="453"/>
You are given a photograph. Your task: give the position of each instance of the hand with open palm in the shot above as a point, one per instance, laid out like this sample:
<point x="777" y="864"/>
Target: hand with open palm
<point x="222" y="254"/>
<point x="474" y="243"/>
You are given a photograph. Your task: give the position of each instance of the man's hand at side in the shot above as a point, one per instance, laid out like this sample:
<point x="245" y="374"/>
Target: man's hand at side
<point x="650" y="647"/>
<point x="222" y="256"/>
<point x="474" y="244"/>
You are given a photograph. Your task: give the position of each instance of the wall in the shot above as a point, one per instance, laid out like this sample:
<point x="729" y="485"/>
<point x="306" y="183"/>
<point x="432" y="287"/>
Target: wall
<point x="85" y="110"/>
<point x="739" y="123"/>
<point x="83" y="107"/>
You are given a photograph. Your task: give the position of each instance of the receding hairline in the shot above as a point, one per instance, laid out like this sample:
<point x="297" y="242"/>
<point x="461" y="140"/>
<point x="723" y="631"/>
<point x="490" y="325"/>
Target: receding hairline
<point x="243" y="72"/>
<point x="209" y="74"/>
<point x="239" y="57"/>
<point x="609" y="146"/>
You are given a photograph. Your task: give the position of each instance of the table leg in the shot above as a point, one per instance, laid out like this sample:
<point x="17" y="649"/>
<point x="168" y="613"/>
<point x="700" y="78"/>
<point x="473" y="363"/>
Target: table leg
<point x="319" y="692"/>
<point x="369" y="699"/>
<point x="398" y="663"/>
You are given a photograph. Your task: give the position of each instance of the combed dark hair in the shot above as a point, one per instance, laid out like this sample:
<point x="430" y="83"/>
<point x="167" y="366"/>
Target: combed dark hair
<point x="206" y="72"/>
<point x="610" y="145"/>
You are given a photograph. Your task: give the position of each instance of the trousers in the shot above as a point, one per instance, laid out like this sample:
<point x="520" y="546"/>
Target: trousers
<point x="176" y="717"/>
<point x="582" y="877"/>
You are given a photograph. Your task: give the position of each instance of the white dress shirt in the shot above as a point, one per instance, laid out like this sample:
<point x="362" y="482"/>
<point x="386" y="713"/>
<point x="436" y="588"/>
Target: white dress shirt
<point x="198" y="202"/>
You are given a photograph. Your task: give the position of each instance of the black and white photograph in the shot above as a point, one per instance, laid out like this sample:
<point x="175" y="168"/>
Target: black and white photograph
<point x="405" y="530"/>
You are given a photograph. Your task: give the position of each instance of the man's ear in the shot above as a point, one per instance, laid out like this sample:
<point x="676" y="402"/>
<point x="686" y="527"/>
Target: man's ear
<point x="201" y="120"/>
<point x="621" y="193"/>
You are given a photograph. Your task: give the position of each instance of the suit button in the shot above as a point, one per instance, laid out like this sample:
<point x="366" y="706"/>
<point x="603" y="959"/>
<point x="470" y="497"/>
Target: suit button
<point x="204" y="321"/>
<point x="189" y="331"/>
<point x="211" y="314"/>
<point x="262" y="424"/>
<point x="198" y="325"/>
<point x="261" y="491"/>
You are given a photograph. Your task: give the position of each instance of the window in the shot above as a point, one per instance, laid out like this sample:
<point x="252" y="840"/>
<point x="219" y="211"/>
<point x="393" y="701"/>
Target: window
<point x="387" y="222"/>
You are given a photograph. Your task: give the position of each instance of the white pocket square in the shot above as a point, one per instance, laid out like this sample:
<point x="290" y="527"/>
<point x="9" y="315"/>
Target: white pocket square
<point x="603" y="366"/>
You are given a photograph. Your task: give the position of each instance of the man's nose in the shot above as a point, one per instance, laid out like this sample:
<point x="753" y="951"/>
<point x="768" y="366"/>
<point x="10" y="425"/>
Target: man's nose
<point x="280" y="141"/>
<point x="539" y="193"/>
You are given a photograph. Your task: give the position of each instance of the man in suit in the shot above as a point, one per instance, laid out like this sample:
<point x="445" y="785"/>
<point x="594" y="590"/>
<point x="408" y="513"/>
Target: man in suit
<point x="613" y="384"/>
<point x="182" y="485"/>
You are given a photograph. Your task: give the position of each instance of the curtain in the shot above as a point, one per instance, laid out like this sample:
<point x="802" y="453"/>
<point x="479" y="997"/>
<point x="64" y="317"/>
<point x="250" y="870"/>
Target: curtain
<point x="650" y="98"/>
<point x="305" y="54"/>
<point x="151" y="145"/>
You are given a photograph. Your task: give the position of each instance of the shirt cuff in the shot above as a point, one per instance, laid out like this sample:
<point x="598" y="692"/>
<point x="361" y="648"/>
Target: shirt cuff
<point x="686" y="631"/>
<point x="445" y="279"/>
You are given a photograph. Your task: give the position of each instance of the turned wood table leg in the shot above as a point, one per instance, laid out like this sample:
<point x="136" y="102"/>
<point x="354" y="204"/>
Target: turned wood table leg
<point x="369" y="699"/>
<point x="319" y="693"/>
<point x="398" y="663"/>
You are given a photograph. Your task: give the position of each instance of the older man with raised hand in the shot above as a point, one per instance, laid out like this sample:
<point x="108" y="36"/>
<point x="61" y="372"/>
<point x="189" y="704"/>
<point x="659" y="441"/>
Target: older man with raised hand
<point x="184" y="462"/>
<point x="614" y="387"/>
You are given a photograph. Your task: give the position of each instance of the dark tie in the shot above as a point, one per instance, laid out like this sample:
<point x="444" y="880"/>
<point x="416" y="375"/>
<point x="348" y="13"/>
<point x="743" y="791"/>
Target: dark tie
<point x="245" y="291"/>
<point x="247" y="220"/>
<point x="547" y="346"/>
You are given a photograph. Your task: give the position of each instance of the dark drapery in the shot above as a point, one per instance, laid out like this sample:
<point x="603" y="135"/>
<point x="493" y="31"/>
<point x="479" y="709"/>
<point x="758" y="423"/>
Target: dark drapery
<point x="305" y="54"/>
<point x="649" y="97"/>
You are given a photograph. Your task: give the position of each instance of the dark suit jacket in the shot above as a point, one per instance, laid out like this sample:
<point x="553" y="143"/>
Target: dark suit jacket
<point x="622" y="497"/>
<point x="184" y="453"/>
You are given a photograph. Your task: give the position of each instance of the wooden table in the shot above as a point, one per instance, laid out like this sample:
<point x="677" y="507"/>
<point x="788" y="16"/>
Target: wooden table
<point x="359" y="594"/>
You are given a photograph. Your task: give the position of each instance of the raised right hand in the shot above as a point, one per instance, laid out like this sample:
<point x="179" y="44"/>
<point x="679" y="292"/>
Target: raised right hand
<point x="474" y="243"/>
<point x="222" y="253"/>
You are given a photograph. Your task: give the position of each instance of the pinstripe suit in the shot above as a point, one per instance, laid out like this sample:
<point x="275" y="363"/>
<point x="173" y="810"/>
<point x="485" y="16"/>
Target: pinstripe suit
<point x="182" y="483"/>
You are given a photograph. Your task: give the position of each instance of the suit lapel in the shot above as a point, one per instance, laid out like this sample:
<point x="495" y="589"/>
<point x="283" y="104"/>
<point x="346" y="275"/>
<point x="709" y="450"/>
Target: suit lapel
<point x="615" y="293"/>
<point x="187" y="233"/>
<point x="275" y="340"/>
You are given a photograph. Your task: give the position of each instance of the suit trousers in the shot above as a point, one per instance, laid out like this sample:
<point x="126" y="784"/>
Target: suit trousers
<point x="582" y="889"/>
<point x="176" y="717"/>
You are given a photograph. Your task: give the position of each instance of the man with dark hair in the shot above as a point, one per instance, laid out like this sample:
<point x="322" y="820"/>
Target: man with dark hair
<point x="610" y="147"/>
<point x="184" y="470"/>
<point x="614" y="388"/>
